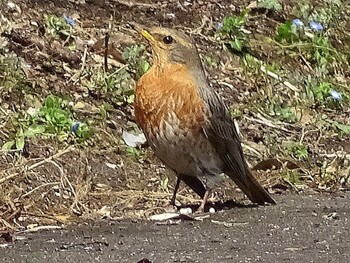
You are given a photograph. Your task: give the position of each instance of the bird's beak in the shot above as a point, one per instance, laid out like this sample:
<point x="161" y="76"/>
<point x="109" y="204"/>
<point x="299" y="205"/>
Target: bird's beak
<point x="143" y="31"/>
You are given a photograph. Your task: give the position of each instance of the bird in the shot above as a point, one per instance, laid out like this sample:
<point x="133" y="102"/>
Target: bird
<point x="186" y="122"/>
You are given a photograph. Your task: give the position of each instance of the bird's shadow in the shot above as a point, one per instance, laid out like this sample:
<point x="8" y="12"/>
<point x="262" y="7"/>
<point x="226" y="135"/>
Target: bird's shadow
<point x="218" y="206"/>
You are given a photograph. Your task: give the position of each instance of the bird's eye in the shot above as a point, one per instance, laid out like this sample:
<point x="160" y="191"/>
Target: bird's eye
<point x="168" y="39"/>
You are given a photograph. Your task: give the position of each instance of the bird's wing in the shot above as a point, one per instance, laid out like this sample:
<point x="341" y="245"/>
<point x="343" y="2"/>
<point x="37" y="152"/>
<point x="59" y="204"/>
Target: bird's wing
<point x="221" y="131"/>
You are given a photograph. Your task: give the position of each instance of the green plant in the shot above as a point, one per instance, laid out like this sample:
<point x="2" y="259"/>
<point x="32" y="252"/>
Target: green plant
<point x="326" y="94"/>
<point x="287" y="32"/>
<point x="293" y="177"/>
<point x="55" y="115"/>
<point x="82" y="131"/>
<point x="164" y="184"/>
<point x="53" y="119"/>
<point x="327" y="177"/>
<point x="117" y="85"/>
<point x="12" y="76"/>
<point x="285" y="114"/>
<point x="57" y="119"/>
<point x="310" y="43"/>
<point x="251" y="64"/>
<point x="270" y="4"/>
<point x="298" y="150"/>
<point x="134" y="56"/>
<point x="57" y="26"/>
<point x="339" y="127"/>
<point x="211" y="61"/>
<point x="329" y="14"/>
<point x="133" y="152"/>
<point x="236" y="113"/>
<point x="21" y="136"/>
<point x="323" y="52"/>
<point x="231" y="30"/>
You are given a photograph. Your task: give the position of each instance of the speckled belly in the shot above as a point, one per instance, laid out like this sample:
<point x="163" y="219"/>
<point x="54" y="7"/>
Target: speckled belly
<point x="185" y="151"/>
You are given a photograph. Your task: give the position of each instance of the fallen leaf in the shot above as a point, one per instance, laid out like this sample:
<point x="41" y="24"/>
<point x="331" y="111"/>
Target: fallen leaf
<point x="276" y="164"/>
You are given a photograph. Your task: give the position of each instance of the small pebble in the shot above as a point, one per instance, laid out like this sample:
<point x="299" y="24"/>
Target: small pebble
<point x="185" y="211"/>
<point x="212" y="210"/>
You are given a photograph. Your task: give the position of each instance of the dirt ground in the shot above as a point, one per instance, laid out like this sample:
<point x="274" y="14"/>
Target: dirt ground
<point x="301" y="228"/>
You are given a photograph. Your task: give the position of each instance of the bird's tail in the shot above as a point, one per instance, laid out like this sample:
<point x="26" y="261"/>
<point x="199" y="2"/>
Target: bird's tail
<point x="252" y="188"/>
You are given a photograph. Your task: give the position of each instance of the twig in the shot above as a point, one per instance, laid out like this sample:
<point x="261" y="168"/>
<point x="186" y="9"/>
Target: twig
<point x="50" y="158"/>
<point x="266" y="122"/>
<point x="333" y="155"/>
<point x="251" y="149"/>
<point x="39" y="228"/>
<point x="38" y="187"/>
<point x="33" y="166"/>
<point x="304" y="45"/>
<point x="304" y="133"/>
<point x="6" y="224"/>
<point x="134" y="3"/>
<point x="291" y="185"/>
<point x="7" y="177"/>
<point x="275" y="76"/>
<point x="106" y="52"/>
<point x="77" y="75"/>
<point x="306" y="62"/>
<point x="43" y="216"/>
<point x="199" y="29"/>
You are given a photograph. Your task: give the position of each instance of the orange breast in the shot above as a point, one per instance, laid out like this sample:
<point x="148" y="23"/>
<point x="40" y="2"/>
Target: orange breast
<point x="165" y="94"/>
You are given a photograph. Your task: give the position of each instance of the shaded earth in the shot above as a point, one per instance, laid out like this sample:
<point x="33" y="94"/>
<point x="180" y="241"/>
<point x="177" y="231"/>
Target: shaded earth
<point x="301" y="228"/>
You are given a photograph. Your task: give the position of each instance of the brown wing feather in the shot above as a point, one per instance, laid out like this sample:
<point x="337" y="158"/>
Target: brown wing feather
<point x="221" y="131"/>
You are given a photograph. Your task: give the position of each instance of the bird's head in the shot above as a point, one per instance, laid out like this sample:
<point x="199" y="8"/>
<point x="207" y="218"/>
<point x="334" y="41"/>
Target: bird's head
<point x="170" y="46"/>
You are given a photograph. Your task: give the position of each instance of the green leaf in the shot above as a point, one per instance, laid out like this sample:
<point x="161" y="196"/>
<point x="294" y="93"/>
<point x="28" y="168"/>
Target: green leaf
<point x="298" y="150"/>
<point x="133" y="152"/>
<point x="232" y="24"/>
<point x="8" y="145"/>
<point x="270" y="4"/>
<point x="144" y="67"/>
<point x="342" y="127"/>
<point x="164" y="183"/>
<point x="62" y="136"/>
<point x="32" y="131"/>
<point x="236" y="44"/>
<point x="285" y="32"/>
<point x="130" y="99"/>
<point x="20" y="143"/>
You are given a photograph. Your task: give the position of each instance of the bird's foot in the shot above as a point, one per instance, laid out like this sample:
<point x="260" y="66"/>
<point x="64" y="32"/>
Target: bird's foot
<point x="201" y="208"/>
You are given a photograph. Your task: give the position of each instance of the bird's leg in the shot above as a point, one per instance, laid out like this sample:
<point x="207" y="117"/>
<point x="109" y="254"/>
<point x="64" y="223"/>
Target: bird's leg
<point x="204" y="201"/>
<point x="173" y="198"/>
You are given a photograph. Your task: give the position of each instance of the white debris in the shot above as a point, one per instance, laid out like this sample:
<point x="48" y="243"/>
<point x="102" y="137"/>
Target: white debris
<point x="133" y="140"/>
<point x="185" y="211"/>
<point x="212" y="210"/>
